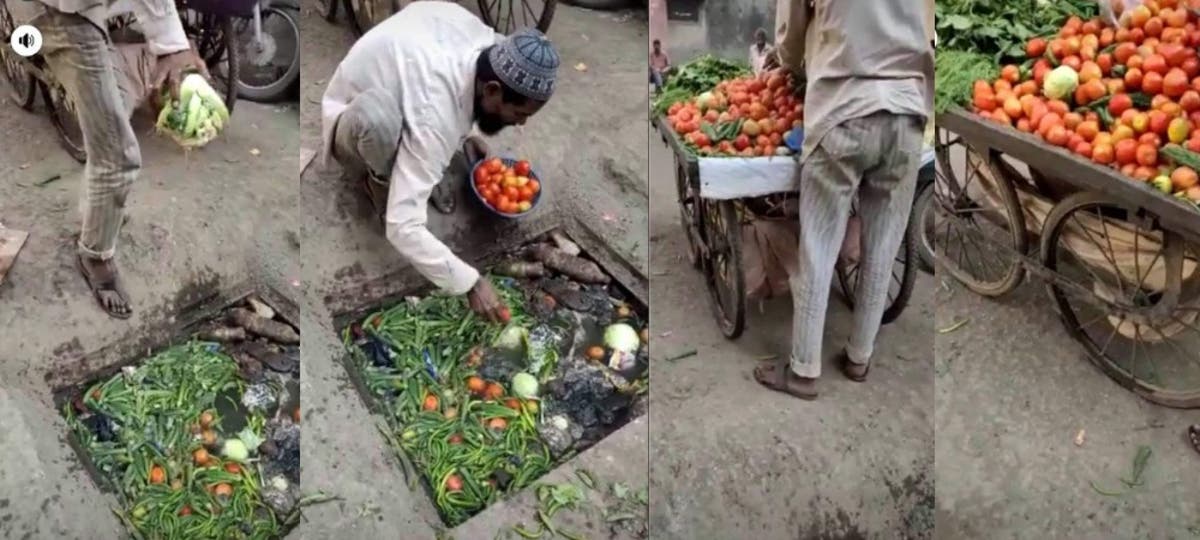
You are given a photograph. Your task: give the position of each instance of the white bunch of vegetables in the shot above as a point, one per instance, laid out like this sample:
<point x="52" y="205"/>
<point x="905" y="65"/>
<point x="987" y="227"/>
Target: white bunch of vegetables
<point x="197" y="117"/>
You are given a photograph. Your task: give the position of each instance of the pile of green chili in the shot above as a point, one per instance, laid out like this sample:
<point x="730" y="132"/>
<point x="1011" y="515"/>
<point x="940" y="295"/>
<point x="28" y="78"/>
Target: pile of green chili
<point x="156" y="409"/>
<point x="466" y="460"/>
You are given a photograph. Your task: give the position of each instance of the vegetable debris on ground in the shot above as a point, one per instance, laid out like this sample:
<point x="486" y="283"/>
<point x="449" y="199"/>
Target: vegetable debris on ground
<point x="481" y="410"/>
<point x="196" y="442"/>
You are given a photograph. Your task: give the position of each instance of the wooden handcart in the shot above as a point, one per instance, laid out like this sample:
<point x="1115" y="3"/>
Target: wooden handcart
<point x="713" y="224"/>
<point x="1119" y="258"/>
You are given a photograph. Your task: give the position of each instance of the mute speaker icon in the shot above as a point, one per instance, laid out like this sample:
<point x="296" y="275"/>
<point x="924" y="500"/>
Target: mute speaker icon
<point x="26" y="40"/>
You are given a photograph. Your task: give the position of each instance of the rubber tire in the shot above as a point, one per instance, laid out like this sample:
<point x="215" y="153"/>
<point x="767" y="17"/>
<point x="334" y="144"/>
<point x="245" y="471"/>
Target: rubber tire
<point x="907" y="281"/>
<point x="731" y="324"/>
<point x="77" y="151"/>
<point x="281" y="88"/>
<point x="923" y="245"/>
<point x="1049" y="254"/>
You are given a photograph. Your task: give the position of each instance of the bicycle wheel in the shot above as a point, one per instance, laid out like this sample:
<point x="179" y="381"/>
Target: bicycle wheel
<point x="904" y="274"/>
<point x="923" y="227"/>
<point x="21" y="83"/>
<point x="1132" y="297"/>
<point x="980" y="233"/>
<point x="723" y="265"/>
<point x="506" y="17"/>
<point x="65" y="120"/>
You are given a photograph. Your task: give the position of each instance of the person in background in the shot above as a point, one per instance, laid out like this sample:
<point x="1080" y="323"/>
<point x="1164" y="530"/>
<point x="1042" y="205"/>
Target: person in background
<point x="84" y="60"/>
<point x="759" y="51"/>
<point x="659" y="64"/>
<point x="405" y="99"/>
<point x="865" y="110"/>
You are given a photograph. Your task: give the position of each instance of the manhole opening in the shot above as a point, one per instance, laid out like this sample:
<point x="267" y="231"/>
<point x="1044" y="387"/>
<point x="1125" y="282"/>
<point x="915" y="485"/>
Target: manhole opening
<point x="199" y="436"/>
<point x="444" y="380"/>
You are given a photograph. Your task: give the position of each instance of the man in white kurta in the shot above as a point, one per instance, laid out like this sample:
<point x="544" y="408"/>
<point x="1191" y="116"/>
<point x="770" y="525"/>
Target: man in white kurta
<point x="866" y="103"/>
<point x="82" y="58"/>
<point x="405" y="99"/>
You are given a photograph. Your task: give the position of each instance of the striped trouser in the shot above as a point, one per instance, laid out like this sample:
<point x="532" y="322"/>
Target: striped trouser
<point x="82" y="59"/>
<point x="877" y="158"/>
<point x="367" y="135"/>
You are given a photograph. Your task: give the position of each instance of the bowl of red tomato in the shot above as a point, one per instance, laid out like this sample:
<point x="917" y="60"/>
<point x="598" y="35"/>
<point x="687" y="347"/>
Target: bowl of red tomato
<point x="506" y="187"/>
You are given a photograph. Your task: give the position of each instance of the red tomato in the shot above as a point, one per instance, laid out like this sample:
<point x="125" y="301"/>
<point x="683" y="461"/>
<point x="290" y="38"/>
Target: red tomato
<point x="534" y="185"/>
<point x="525" y="194"/>
<point x="522" y="168"/>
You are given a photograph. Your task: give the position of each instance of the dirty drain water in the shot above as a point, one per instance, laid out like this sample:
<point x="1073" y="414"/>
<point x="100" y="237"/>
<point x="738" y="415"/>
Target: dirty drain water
<point x="483" y="410"/>
<point x="202" y="439"/>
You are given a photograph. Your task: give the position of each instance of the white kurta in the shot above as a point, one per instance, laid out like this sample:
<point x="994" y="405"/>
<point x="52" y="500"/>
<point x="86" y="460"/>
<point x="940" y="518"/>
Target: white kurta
<point x="425" y="55"/>
<point x="158" y="19"/>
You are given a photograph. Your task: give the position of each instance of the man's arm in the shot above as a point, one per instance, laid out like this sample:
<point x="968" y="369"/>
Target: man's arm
<point x="791" y="35"/>
<point x="161" y="25"/>
<point x="423" y="156"/>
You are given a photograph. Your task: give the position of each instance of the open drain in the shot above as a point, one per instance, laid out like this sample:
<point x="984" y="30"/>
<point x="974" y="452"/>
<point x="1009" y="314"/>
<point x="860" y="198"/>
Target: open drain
<point x="479" y="410"/>
<point x="200" y="439"/>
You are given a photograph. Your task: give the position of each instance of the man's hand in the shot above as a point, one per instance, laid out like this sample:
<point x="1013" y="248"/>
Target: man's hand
<point x="170" y="69"/>
<point x="486" y="303"/>
<point x="475" y="149"/>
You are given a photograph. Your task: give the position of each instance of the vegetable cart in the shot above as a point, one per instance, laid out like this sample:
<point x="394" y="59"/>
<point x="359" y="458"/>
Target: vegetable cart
<point x="207" y="23"/>
<point x="717" y="195"/>
<point x="505" y="16"/>
<point x="1119" y="257"/>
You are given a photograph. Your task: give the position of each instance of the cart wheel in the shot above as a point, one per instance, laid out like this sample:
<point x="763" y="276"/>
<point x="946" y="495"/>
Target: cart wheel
<point x="723" y="265"/>
<point x="688" y="209"/>
<point x="508" y="16"/>
<point x="971" y="236"/>
<point x="328" y="9"/>
<point x="904" y="274"/>
<point x="66" y="122"/>
<point x="21" y="83"/>
<point x="923" y="228"/>
<point x="1138" y="317"/>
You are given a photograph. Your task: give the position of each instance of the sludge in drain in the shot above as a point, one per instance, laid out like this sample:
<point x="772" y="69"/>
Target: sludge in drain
<point x="202" y="439"/>
<point x="483" y="410"/>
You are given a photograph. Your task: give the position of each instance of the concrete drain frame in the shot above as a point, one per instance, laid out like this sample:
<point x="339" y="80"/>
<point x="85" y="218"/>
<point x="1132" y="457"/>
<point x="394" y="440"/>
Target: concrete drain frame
<point x="198" y="308"/>
<point x="393" y="289"/>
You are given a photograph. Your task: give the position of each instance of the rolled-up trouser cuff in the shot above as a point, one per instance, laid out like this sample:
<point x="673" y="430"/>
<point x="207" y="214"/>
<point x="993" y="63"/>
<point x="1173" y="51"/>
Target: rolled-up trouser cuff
<point x="102" y="255"/>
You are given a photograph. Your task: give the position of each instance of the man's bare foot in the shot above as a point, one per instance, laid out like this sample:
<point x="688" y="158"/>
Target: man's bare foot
<point x="1194" y="436"/>
<point x="779" y="377"/>
<point x="102" y="277"/>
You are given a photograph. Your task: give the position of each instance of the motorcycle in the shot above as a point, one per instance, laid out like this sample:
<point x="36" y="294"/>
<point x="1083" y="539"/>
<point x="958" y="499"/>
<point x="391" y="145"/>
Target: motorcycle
<point x="269" y="47"/>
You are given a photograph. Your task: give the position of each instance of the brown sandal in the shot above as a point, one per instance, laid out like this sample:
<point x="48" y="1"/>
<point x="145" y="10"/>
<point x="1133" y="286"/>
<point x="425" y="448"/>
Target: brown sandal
<point x="849" y="369"/>
<point x="777" y="376"/>
<point x="100" y="288"/>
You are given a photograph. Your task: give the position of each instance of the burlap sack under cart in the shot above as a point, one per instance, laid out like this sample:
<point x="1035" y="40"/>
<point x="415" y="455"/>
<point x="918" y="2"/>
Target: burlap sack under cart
<point x="1136" y="256"/>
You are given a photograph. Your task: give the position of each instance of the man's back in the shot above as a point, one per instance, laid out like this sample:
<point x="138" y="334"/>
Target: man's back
<point x="424" y="55"/>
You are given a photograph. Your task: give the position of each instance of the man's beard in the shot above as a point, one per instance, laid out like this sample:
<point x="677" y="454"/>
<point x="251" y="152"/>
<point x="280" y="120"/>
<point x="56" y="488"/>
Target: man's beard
<point x="489" y="124"/>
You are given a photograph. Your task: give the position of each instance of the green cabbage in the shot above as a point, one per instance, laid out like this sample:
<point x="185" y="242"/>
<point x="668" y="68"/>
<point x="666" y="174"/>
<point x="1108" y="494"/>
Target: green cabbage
<point x="525" y="385"/>
<point x="622" y="337"/>
<point x="1060" y="83"/>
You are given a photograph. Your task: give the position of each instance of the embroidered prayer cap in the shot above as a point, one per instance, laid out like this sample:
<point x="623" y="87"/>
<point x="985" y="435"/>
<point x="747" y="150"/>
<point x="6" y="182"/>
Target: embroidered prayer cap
<point x="526" y="62"/>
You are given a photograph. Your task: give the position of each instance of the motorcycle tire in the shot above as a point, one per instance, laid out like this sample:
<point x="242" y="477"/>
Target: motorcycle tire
<point x="281" y="87"/>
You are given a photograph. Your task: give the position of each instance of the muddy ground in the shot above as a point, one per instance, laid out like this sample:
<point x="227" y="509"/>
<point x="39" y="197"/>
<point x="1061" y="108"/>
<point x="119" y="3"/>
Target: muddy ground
<point x="1013" y="391"/>
<point x="589" y="145"/>
<point x="739" y="461"/>
<point x="200" y="222"/>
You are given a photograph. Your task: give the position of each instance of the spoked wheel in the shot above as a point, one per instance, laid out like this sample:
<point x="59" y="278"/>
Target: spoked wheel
<point x="364" y="14"/>
<point x="66" y="121"/>
<point x="978" y="228"/>
<point x="508" y="16"/>
<point x="269" y="63"/>
<point x="1137" y="308"/>
<point x="216" y="43"/>
<point x="688" y="212"/>
<point x="21" y="83"/>
<point x="904" y="274"/>
<point x="723" y="265"/>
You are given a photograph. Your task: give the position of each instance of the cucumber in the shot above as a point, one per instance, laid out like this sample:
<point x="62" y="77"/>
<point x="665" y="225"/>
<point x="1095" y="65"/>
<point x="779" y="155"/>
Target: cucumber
<point x="1182" y="156"/>
<point x="193" y="116"/>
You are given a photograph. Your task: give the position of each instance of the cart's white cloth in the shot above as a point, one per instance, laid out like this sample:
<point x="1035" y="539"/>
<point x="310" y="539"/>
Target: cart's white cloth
<point x="736" y="178"/>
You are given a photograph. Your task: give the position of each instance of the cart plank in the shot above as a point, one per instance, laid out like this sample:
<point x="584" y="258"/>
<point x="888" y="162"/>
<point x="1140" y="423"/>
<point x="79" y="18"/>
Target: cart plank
<point x="1175" y="215"/>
